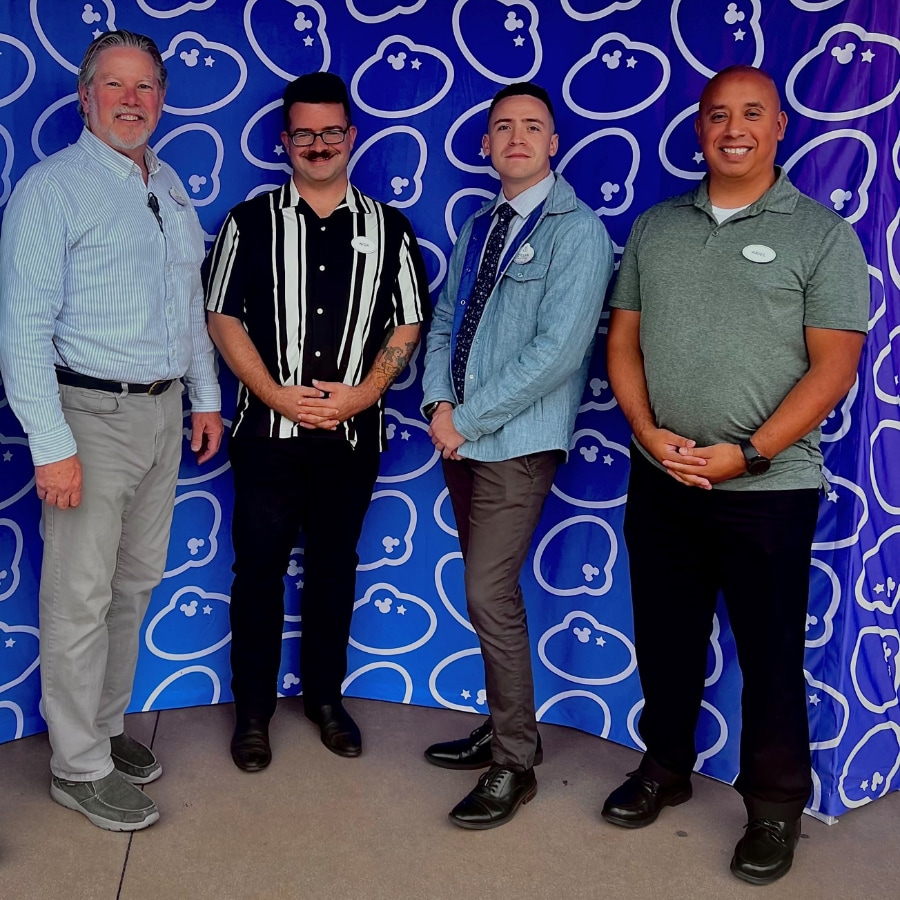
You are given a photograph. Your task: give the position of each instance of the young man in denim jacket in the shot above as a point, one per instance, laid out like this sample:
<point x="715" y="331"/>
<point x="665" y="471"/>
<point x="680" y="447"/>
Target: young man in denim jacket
<point x="505" y="367"/>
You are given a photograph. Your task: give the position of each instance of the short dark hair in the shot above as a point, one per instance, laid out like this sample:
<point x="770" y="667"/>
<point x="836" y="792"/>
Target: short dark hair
<point x="111" y="40"/>
<point x="315" y="87"/>
<point x="523" y="89"/>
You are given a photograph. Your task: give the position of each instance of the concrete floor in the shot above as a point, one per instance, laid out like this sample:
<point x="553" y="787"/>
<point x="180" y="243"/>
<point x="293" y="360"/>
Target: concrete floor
<point x="314" y="825"/>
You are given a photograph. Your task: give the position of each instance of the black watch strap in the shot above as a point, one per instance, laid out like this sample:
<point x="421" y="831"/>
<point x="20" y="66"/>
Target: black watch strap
<point x="757" y="464"/>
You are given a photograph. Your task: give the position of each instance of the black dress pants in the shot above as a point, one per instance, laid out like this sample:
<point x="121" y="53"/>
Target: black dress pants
<point x="684" y="546"/>
<point x="283" y="485"/>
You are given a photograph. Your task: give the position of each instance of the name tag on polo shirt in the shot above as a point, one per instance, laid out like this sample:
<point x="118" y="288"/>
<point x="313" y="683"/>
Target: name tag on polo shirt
<point x="758" y="253"/>
<point x="363" y="244"/>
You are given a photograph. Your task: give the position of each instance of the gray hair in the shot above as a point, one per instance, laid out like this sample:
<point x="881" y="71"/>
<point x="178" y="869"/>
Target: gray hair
<point x="112" y="39"/>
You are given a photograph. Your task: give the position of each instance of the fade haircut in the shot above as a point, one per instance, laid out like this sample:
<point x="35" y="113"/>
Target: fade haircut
<point x="523" y="89"/>
<point x="315" y="87"/>
<point x="115" y="39"/>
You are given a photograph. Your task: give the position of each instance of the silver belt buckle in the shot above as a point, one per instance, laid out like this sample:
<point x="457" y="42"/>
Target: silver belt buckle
<point x="158" y="387"/>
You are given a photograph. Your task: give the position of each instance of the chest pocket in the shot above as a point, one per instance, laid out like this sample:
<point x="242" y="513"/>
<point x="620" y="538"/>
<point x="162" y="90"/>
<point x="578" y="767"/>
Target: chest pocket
<point x="526" y="272"/>
<point x="522" y="289"/>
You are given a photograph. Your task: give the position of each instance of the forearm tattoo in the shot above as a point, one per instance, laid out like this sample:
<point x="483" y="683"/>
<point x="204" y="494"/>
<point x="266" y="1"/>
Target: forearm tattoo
<point x="391" y="361"/>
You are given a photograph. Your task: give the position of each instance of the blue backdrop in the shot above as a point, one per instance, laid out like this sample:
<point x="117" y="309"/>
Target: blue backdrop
<point x="626" y="76"/>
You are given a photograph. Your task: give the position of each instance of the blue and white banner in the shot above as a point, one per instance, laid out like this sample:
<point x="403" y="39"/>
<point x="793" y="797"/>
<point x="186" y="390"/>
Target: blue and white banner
<point x="625" y="76"/>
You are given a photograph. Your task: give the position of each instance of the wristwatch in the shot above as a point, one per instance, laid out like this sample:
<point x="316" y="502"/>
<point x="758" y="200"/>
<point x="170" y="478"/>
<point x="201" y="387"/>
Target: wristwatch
<point x="757" y="464"/>
<point x="431" y="409"/>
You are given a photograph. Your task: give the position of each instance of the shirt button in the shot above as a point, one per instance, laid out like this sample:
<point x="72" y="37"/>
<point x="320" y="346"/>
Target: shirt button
<point x="318" y="353"/>
<point x="321" y="268"/>
<point x="322" y="228"/>
<point x="462" y="302"/>
<point x="320" y="310"/>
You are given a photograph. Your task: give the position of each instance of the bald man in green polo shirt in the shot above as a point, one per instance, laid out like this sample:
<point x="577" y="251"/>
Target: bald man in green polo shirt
<point x="738" y="319"/>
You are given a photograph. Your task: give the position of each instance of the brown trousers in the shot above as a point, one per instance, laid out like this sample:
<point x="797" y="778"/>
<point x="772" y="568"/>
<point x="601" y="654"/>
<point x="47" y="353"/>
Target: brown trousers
<point x="497" y="506"/>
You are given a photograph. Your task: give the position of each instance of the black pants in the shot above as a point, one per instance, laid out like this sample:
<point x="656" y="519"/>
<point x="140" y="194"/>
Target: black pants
<point x="282" y="485"/>
<point x="684" y="546"/>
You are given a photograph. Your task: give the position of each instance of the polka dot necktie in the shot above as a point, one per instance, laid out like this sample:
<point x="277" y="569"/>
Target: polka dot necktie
<point x="484" y="284"/>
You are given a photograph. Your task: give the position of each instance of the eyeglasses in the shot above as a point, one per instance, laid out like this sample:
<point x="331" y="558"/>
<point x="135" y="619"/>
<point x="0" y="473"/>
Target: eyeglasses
<point x="329" y="136"/>
<point x="153" y="204"/>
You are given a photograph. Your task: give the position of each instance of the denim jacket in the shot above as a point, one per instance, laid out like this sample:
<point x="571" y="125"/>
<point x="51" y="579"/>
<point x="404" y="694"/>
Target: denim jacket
<point x="529" y="358"/>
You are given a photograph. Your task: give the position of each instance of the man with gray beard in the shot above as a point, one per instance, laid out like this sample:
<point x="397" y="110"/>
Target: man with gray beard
<point x="101" y="315"/>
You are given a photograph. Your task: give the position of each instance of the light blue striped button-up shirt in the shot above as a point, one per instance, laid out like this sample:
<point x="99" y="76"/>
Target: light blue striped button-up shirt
<point x="89" y="281"/>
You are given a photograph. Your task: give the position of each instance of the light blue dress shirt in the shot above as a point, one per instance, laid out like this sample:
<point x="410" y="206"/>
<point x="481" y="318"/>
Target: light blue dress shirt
<point x="89" y="281"/>
<point x="524" y="205"/>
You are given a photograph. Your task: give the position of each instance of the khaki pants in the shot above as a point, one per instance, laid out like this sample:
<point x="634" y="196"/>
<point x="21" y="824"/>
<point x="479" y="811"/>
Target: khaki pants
<point x="101" y="562"/>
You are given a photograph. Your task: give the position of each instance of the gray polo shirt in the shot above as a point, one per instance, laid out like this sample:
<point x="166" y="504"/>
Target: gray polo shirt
<point x="723" y="311"/>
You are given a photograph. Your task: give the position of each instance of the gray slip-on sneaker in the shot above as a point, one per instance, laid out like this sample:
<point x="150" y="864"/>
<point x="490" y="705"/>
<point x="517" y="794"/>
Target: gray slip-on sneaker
<point x="111" y="803"/>
<point x="133" y="761"/>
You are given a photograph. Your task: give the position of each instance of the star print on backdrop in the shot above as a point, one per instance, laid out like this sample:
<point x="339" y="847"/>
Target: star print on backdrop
<point x="625" y="77"/>
<point x="398" y="149"/>
<point x="499" y="38"/>
<point x="732" y="33"/>
<point x="837" y="153"/>
<point x="306" y="48"/>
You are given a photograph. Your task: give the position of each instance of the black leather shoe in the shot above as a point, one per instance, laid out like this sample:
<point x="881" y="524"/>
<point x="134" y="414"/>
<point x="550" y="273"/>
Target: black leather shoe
<point x="473" y="752"/>
<point x="340" y="734"/>
<point x="250" y="748"/>
<point x="766" y="851"/>
<point x="496" y="798"/>
<point x="639" y="800"/>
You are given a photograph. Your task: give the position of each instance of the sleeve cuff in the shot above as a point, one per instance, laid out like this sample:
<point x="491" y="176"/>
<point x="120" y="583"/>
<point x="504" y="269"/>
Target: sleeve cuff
<point x="52" y="446"/>
<point x="205" y="398"/>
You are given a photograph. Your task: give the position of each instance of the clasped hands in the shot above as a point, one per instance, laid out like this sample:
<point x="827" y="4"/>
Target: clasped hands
<point x="324" y="405"/>
<point x="446" y="439"/>
<point x="689" y="464"/>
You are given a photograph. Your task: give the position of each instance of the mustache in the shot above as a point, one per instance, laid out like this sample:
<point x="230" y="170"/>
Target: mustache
<point x="315" y="155"/>
<point x="126" y="111"/>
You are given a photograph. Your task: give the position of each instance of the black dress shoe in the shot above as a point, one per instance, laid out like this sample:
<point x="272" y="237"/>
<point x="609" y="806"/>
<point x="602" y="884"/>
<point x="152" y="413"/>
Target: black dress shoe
<point x="473" y="752"/>
<point x="639" y="800"/>
<point x="340" y="734"/>
<point x="766" y="851"/>
<point x="250" y="748"/>
<point x="496" y="798"/>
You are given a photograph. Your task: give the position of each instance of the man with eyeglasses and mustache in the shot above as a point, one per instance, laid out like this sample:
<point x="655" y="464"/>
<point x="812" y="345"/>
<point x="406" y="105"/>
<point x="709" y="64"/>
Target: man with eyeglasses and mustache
<point x="316" y="294"/>
<point x="101" y="315"/>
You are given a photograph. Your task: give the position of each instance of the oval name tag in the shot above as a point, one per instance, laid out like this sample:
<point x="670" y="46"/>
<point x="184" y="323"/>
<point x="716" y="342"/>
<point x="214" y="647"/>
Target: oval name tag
<point x="758" y="253"/>
<point x="177" y="196"/>
<point x="525" y="254"/>
<point x="363" y="244"/>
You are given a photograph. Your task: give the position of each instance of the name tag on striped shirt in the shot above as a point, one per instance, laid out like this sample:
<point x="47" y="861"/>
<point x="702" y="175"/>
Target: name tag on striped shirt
<point x="363" y="244"/>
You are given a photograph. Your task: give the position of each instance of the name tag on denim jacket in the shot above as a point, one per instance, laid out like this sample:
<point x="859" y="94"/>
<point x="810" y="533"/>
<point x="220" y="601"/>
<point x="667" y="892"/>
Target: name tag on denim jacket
<point x="524" y="255"/>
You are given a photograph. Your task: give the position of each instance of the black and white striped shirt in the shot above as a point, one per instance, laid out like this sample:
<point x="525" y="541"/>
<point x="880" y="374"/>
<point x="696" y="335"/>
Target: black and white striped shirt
<point x="316" y="296"/>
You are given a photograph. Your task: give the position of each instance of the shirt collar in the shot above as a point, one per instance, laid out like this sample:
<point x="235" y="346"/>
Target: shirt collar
<point x="350" y="200"/>
<point x="781" y="197"/>
<point x="117" y="162"/>
<point x="530" y="199"/>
